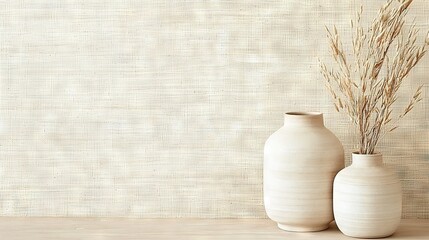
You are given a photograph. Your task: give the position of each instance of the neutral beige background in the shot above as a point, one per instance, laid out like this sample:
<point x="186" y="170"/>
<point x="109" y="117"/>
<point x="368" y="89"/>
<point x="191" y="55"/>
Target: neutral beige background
<point x="161" y="108"/>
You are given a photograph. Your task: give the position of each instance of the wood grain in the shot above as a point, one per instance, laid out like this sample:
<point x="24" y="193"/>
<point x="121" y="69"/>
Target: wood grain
<point x="126" y="229"/>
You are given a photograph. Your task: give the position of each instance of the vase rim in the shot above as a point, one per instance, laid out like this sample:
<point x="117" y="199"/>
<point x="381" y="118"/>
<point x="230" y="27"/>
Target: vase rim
<point x="364" y="154"/>
<point x="367" y="160"/>
<point x="303" y="114"/>
<point x="303" y="119"/>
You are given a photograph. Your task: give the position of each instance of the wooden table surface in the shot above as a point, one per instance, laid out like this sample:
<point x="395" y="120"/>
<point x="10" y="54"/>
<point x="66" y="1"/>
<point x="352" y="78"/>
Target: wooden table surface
<point x="13" y="228"/>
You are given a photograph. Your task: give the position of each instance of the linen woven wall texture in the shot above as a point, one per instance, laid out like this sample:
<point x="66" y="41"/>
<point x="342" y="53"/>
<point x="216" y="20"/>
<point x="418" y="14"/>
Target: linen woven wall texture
<point x="161" y="108"/>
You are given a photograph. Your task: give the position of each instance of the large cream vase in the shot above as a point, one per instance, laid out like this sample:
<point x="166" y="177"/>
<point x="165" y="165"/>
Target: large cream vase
<point x="367" y="198"/>
<point x="301" y="160"/>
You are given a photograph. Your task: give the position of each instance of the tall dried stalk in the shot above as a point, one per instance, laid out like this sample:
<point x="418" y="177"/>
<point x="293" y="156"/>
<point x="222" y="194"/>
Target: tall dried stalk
<point x="366" y="88"/>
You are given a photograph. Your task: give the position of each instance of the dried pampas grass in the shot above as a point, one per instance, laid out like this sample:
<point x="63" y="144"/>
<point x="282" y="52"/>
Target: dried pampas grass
<point x="366" y="88"/>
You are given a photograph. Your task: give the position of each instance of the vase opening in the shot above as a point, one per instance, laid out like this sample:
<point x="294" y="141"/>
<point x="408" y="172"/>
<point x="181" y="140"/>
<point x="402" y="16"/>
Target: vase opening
<point x="358" y="153"/>
<point x="304" y="113"/>
<point x="303" y="119"/>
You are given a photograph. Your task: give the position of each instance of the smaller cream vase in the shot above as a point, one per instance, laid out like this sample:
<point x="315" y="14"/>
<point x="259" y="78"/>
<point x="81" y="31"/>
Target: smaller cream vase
<point x="367" y="198"/>
<point x="301" y="160"/>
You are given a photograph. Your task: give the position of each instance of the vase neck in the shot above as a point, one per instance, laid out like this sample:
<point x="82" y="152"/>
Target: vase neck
<point x="367" y="160"/>
<point x="304" y="119"/>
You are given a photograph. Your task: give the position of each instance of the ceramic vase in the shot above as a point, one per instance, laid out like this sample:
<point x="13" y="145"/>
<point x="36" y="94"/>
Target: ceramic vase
<point x="301" y="160"/>
<point x="367" y="198"/>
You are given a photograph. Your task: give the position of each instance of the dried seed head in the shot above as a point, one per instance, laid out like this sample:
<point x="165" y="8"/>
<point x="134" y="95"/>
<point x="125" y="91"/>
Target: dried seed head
<point x="427" y="39"/>
<point x="368" y="99"/>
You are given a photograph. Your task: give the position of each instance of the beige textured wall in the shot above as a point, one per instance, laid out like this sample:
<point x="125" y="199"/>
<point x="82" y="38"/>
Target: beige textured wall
<point x="161" y="108"/>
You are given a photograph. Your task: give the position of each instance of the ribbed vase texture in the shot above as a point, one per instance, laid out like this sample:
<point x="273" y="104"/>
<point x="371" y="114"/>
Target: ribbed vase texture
<point x="301" y="160"/>
<point x="367" y="198"/>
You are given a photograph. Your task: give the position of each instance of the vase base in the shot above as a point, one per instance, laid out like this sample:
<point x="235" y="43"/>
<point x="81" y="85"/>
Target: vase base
<point x="292" y="228"/>
<point x="363" y="236"/>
